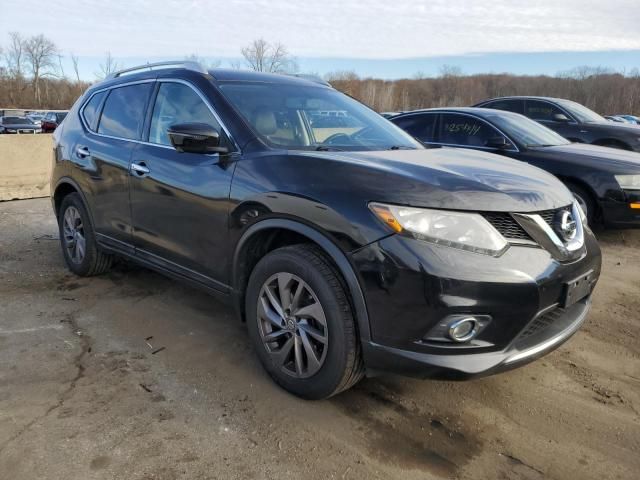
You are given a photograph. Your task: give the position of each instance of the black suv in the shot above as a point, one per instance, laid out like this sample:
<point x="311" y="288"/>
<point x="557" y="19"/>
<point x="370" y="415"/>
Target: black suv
<point x="346" y="246"/>
<point x="573" y="121"/>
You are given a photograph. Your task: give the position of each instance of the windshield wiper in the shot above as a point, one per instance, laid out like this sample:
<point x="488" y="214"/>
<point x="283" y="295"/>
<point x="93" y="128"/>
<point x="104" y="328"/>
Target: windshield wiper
<point x="540" y="145"/>
<point x="325" y="148"/>
<point x="400" y="147"/>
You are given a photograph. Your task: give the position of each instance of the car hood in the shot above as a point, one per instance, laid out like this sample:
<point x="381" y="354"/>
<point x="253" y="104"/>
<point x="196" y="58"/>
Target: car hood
<point x="611" y="160"/>
<point x="450" y="178"/>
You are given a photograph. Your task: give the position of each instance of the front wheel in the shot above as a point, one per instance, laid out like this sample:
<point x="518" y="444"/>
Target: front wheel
<point x="300" y="321"/>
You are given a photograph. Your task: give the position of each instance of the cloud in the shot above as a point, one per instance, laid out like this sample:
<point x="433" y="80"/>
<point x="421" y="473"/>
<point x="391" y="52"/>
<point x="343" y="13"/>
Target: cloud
<point x="327" y="28"/>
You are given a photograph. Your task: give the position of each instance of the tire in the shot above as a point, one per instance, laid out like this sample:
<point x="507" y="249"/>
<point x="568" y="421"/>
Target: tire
<point x="79" y="246"/>
<point x="585" y="200"/>
<point x="330" y="359"/>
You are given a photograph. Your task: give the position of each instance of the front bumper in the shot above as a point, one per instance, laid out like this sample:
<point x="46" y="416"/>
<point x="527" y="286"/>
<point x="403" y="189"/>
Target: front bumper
<point x="619" y="214"/>
<point x="524" y="349"/>
<point x="410" y="286"/>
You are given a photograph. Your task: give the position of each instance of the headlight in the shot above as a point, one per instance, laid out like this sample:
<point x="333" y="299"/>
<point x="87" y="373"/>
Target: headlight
<point x="628" y="182"/>
<point x="466" y="231"/>
<point x="583" y="216"/>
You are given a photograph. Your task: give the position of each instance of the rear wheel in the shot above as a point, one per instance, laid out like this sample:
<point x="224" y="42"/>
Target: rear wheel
<point x="77" y="239"/>
<point x="301" y="324"/>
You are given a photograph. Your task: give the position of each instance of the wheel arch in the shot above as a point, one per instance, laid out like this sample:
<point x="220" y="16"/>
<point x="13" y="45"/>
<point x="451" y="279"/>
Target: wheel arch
<point x="64" y="187"/>
<point x="587" y="188"/>
<point x="269" y="234"/>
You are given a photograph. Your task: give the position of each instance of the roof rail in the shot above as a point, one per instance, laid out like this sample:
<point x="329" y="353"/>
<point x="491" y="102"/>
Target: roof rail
<point x="188" y="64"/>
<point x="311" y="78"/>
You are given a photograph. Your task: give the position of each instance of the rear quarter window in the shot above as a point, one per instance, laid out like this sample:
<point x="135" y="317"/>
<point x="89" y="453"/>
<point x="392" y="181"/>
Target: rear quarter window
<point x="90" y="110"/>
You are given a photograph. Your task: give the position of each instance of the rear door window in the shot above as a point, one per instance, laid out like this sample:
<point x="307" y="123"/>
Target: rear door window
<point x="124" y="110"/>
<point x="419" y="126"/>
<point x="464" y="130"/>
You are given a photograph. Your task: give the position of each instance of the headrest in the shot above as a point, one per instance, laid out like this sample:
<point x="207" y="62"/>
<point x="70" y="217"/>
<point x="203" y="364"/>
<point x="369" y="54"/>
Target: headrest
<point x="264" y="120"/>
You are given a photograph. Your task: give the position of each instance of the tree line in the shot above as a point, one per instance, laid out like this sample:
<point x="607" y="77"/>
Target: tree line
<point x="605" y="91"/>
<point x="32" y="76"/>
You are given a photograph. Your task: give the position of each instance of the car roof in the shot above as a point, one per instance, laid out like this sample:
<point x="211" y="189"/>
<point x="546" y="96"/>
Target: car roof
<point x="229" y="74"/>
<point x="480" y="112"/>
<point x="217" y="74"/>
<point x="524" y="97"/>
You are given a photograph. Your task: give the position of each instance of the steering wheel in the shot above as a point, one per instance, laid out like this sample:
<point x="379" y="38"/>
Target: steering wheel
<point x="331" y="139"/>
<point x="362" y="133"/>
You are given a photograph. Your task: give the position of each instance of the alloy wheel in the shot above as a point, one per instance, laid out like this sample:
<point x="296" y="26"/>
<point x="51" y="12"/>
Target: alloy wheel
<point x="292" y="325"/>
<point x="74" y="235"/>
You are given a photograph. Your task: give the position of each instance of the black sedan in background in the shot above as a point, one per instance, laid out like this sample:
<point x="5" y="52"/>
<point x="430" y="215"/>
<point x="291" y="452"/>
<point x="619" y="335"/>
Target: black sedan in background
<point x="18" y="125"/>
<point x="573" y="121"/>
<point x="605" y="181"/>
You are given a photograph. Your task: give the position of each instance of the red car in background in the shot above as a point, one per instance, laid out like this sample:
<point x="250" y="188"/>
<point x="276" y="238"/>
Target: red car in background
<point x="51" y="121"/>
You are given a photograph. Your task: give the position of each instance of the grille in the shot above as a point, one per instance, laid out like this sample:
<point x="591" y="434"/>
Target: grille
<point x="506" y="225"/>
<point x="509" y="228"/>
<point x="542" y="322"/>
<point x="549" y="216"/>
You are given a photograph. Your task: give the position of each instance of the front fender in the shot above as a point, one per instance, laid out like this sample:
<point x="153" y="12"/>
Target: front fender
<point x="339" y="258"/>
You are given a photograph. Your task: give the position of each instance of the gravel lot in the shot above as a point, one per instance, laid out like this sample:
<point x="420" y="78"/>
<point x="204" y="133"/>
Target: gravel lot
<point x="134" y="376"/>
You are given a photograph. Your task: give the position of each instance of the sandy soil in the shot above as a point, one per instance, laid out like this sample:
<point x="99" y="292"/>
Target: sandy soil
<point x="135" y="376"/>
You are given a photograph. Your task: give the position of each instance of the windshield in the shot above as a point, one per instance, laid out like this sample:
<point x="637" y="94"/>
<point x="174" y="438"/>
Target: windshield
<point x="581" y="113"/>
<point x="313" y="118"/>
<point x="16" y="121"/>
<point x="525" y="131"/>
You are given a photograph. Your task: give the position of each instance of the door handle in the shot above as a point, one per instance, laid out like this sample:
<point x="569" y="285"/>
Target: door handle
<point x="140" y="169"/>
<point x="82" y="152"/>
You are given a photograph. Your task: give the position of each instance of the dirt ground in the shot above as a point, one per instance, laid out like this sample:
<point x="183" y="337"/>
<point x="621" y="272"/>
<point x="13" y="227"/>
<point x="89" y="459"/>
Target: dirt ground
<point x="135" y="376"/>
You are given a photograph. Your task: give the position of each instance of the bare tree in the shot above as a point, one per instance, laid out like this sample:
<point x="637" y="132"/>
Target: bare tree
<point x="61" y="66"/>
<point x="40" y="56"/>
<point x="202" y="61"/>
<point x="14" y="55"/>
<point x="263" y="56"/>
<point x="76" y="70"/>
<point x="107" y="67"/>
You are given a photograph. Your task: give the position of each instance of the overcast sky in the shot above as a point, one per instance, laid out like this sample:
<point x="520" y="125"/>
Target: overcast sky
<point x="373" y="29"/>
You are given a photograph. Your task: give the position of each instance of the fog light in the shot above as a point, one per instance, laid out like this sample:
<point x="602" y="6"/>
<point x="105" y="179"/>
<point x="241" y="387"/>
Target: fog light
<point x="463" y="330"/>
<point x="459" y="328"/>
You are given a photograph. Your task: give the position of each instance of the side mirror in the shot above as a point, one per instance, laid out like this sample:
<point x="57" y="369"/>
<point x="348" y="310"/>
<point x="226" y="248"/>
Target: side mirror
<point x="195" y="138"/>
<point x="560" y="117"/>
<point x="499" y="143"/>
